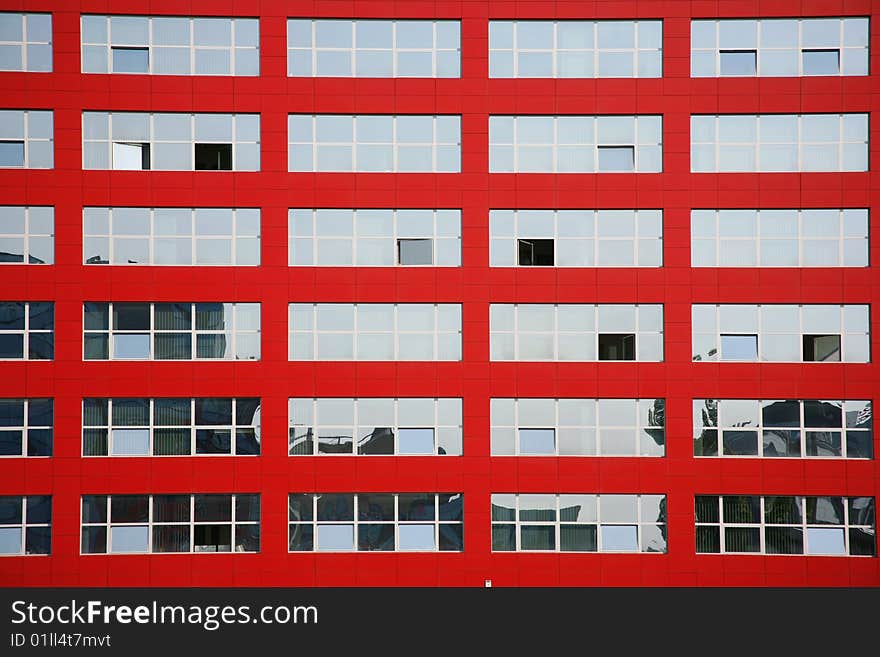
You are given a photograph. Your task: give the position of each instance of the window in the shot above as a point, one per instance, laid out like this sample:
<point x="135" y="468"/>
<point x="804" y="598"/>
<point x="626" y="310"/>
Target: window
<point x="779" y="142"/>
<point x="576" y="238"/>
<point x="788" y="428"/>
<point x="26" y="427"/>
<point x="779" y="238"/>
<point x="171" y="331"/>
<point x="827" y="526"/>
<point x="25" y="525"/>
<point x="171" y="236"/>
<point x="371" y="522"/>
<point x="575" y="144"/>
<point x="171" y="427"/>
<point x="26" y="139"/>
<point x="375" y="426"/>
<point x="575" y="49"/>
<point x="25" y="42"/>
<point x="27" y="330"/>
<point x="374" y="142"/>
<point x="170" y="45"/>
<point x="578" y="427"/>
<point x="373" y="48"/>
<point x="781" y="332"/>
<point x="27" y="235"/>
<point x="119" y="524"/>
<point x="374" y="237"/>
<point x="780" y="47"/>
<point x="171" y="141"/>
<point x="578" y="522"/>
<point x="575" y="332"/>
<point x="375" y="331"/>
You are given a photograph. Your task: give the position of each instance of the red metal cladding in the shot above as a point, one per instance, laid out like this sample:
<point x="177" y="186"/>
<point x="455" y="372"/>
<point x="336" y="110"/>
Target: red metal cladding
<point x="67" y="476"/>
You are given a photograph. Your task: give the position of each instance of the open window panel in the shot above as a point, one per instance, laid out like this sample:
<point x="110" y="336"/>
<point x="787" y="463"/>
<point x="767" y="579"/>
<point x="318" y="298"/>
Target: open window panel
<point x="415" y="251"/>
<point x="821" y="61"/>
<point x="131" y="156"/>
<point x="131" y="60"/>
<point x="11" y="153"/>
<point x="535" y="253"/>
<point x="739" y="347"/>
<point x="739" y="62"/>
<point x="617" y="346"/>
<point x="825" y="348"/>
<point x="213" y="157"/>
<point x="617" y="158"/>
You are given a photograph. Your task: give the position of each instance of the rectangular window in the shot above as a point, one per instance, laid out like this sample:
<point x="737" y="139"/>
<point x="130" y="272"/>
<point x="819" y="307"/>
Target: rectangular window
<point x="170" y="45"/>
<point x="27" y="235"/>
<point x="171" y="427"/>
<point x="785" y="524"/>
<point x="25" y="42"/>
<point x="25" y="525"/>
<point x="779" y="142"/>
<point x="575" y="144"/>
<point x="781" y="333"/>
<point x="141" y="524"/>
<point x="171" y="331"/>
<point x="27" y="139"/>
<point x="575" y="49"/>
<point x="779" y="47"/>
<point x="374" y="238"/>
<point x="578" y="522"/>
<point x="376" y="522"/>
<point x="171" y="236"/>
<point x="26" y="427"/>
<point x="343" y="48"/>
<point x="576" y="332"/>
<point x="576" y="238"/>
<point x="375" y="426"/>
<point x="375" y="331"/>
<point x="374" y="143"/>
<point x="790" y="428"/>
<point x="171" y="141"/>
<point x="27" y="330"/>
<point x="578" y="427"/>
<point x="779" y="238"/>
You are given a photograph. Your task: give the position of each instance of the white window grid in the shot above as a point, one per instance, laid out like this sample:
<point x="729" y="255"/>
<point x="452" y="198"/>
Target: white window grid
<point x="304" y="342"/>
<point x="192" y="427"/>
<point x="304" y="246"/>
<point x="707" y="345"/>
<point x="240" y="255"/>
<point x="505" y="429"/>
<point x="804" y="526"/>
<point x="431" y="141"/>
<point x="25" y="525"/>
<point x="846" y="405"/>
<point x="32" y="160"/>
<point x="843" y="244"/>
<point x="594" y="51"/>
<point x="29" y="41"/>
<point x="114" y="42"/>
<point x="151" y="524"/>
<point x="27" y="426"/>
<point x="313" y="423"/>
<point x="435" y="49"/>
<point x="91" y="145"/>
<point x="234" y="334"/>
<point x="27" y="331"/>
<point x="648" y="540"/>
<point x="358" y="521"/>
<point x="34" y="232"/>
<point x="859" y="53"/>
<point x="847" y="148"/>
<point x="503" y="248"/>
<point x="517" y="334"/>
<point x="521" y="158"/>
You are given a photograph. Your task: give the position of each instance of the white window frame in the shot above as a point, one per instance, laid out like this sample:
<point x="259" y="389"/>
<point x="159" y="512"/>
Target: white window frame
<point x="26" y="139"/>
<point x="27" y="331"/>
<point x="26" y="426"/>
<point x="24" y="525"/>
<point x="28" y="233"/>
<point x="26" y="41"/>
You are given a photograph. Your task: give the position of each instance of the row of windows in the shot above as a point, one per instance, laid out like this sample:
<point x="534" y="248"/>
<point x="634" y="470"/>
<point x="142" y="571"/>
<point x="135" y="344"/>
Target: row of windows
<point x="418" y="331"/>
<point x="177" y="45"/>
<point x="429" y="522"/>
<point x="423" y="237"/>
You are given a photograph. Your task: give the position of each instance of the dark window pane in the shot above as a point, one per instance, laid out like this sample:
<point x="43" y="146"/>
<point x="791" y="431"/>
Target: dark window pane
<point x="10" y="442"/>
<point x="171" y="442"/>
<point x="535" y="253"/>
<point x="332" y="442"/>
<point x="41" y="346"/>
<point x="210" y="317"/>
<point x="782" y="414"/>
<point x="859" y="444"/>
<point x="129" y="508"/>
<point x="173" y="316"/>
<point x="38" y="540"/>
<point x="451" y="537"/>
<point x="247" y="538"/>
<point x="415" y="506"/>
<point x="740" y="443"/>
<point x="211" y="346"/>
<point x="94" y="509"/>
<point x="131" y="316"/>
<point x="11" y="315"/>
<point x="39" y="509"/>
<point x="247" y="410"/>
<point x="213" y="157"/>
<point x="301" y="538"/>
<point x="617" y="346"/>
<point x="40" y="412"/>
<point x="212" y="538"/>
<point x="11" y="345"/>
<point x="335" y="506"/>
<point x="94" y="540"/>
<point x="213" y="441"/>
<point x="781" y="443"/>
<point x="862" y="542"/>
<point x="822" y="348"/>
<point x="708" y="540"/>
<point x="824" y="511"/>
<point x="706" y="508"/>
<point x="782" y="510"/>
<point x="451" y="506"/>
<point x="10" y="510"/>
<point x="820" y="414"/>
<point x="784" y="540"/>
<point x="742" y="539"/>
<point x="379" y="441"/>
<point x="95" y="412"/>
<point x="246" y="442"/>
<point x="171" y="538"/>
<point x="373" y="537"/>
<point x="42" y="315"/>
<point x="824" y="443"/>
<point x="213" y="508"/>
<point x="39" y="442"/>
<point x="503" y="538"/>
<point x="214" y="410"/>
<point x="500" y="512"/>
<point x="247" y="507"/>
<point x="96" y="316"/>
<point x="415" y="251"/>
<point x="300" y="506"/>
<point x="171" y="508"/>
<point x="131" y="412"/>
<point x="537" y="537"/>
<point x="578" y="538"/>
<point x="11" y="412"/>
<point x="861" y="511"/>
<point x="96" y="346"/>
<point x="741" y="509"/>
<point x="171" y="412"/>
<point x="173" y="346"/>
<point x="95" y="442"/>
<point x="375" y="506"/>
<point x="707" y="443"/>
